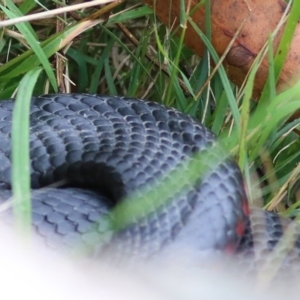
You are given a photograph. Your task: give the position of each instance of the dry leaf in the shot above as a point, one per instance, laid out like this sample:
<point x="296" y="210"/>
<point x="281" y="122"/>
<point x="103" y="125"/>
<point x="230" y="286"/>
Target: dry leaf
<point x="227" y="16"/>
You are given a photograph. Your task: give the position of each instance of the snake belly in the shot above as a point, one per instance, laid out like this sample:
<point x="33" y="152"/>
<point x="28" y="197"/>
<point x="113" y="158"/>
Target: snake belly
<point x="108" y="148"/>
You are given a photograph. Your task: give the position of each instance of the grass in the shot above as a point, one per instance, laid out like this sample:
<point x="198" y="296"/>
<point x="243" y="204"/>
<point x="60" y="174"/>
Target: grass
<point x="20" y="155"/>
<point x="102" y="57"/>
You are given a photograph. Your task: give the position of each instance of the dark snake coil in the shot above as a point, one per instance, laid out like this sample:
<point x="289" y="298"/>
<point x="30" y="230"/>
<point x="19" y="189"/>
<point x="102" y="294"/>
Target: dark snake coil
<point x="115" y="147"/>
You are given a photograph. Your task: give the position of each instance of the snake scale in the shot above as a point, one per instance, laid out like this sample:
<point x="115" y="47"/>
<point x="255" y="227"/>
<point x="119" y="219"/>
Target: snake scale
<point x="108" y="148"/>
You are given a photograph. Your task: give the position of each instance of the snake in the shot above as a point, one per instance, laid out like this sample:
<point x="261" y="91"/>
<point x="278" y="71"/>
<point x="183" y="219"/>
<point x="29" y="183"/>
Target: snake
<point x="115" y="152"/>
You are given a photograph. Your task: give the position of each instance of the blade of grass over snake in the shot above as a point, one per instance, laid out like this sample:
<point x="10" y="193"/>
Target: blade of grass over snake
<point x="20" y="152"/>
<point x="159" y="193"/>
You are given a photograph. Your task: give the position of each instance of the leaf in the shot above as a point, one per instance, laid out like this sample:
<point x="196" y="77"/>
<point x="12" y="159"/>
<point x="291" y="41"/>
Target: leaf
<point x="20" y="152"/>
<point x="260" y="18"/>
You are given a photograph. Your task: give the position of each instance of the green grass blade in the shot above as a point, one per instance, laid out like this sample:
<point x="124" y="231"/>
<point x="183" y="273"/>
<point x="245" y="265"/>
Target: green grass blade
<point x="28" y="33"/>
<point x="283" y="48"/>
<point x="131" y="15"/>
<point x="245" y="113"/>
<point x="27" y="6"/>
<point x="287" y="37"/>
<point x="218" y="115"/>
<point x="110" y="82"/>
<point x="225" y="81"/>
<point x="28" y="60"/>
<point x="174" y="70"/>
<point x="114" y="37"/>
<point x="20" y="152"/>
<point x="82" y="69"/>
<point x="96" y="76"/>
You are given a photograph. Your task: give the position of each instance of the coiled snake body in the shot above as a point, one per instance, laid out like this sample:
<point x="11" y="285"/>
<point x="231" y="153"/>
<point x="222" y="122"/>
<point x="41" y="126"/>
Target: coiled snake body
<point x="119" y="147"/>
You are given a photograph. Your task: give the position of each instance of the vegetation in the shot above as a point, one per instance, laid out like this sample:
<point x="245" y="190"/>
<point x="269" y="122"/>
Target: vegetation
<point x="126" y="51"/>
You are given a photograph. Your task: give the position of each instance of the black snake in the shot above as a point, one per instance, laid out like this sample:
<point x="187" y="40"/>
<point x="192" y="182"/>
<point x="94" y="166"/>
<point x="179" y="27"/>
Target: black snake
<point x="120" y="147"/>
